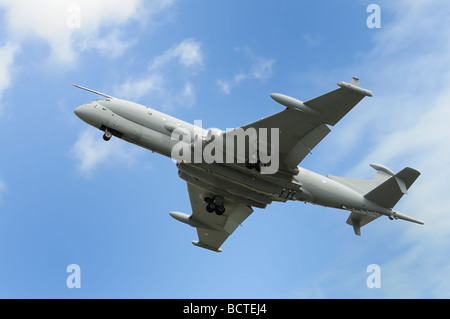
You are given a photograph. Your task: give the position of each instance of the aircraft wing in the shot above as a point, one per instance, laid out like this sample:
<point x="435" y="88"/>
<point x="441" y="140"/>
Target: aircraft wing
<point x="303" y="125"/>
<point x="213" y="229"/>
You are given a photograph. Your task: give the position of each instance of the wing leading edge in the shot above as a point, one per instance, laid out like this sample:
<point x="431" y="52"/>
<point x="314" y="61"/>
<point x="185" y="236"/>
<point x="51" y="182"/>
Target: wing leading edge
<point x="302" y="125"/>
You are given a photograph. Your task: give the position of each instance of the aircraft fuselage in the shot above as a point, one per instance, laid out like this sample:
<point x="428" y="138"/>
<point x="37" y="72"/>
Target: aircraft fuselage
<point x="153" y="130"/>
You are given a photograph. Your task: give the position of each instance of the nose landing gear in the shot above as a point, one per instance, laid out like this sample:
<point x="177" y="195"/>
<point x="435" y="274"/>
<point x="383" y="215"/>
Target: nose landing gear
<point x="107" y="136"/>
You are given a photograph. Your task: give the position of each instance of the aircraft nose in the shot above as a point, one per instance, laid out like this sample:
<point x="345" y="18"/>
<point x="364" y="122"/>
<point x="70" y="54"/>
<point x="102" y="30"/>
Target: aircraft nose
<point x="87" y="113"/>
<point x="81" y="111"/>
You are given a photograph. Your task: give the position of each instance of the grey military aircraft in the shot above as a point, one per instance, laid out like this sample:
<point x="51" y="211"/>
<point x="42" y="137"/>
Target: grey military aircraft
<point x="230" y="172"/>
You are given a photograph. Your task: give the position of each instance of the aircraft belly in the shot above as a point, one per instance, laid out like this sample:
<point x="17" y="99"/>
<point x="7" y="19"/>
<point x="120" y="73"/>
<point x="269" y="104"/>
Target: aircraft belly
<point x="208" y="188"/>
<point x="323" y="191"/>
<point x="236" y="182"/>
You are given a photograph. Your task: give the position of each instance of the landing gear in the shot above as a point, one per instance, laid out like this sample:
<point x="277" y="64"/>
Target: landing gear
<point x="250" y="165"/>
<point x="214" y="204"/>
<point x="393" y="216"/>
<point x="220" y="210"/>
<point x="256" y="166"/>
<point x="210" y="207"/>
<point x="107" y="136"/>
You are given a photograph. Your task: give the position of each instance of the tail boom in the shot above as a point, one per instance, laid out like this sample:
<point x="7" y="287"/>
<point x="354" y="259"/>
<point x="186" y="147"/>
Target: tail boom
<point x="397" y="215"/>
<point x="380" y="195"/>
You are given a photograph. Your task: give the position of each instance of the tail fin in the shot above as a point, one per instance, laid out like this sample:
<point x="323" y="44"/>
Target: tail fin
<point x="389" y="192"/>
<point x="385" y="189"/>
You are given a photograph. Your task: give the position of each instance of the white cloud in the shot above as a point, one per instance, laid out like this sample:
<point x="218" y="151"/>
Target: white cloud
<point x="137" y="88"/>
<point x="68" y="26"/>
<point x="311" y="41"/>
<point x="7" y="54"/>
<point x="224" y="86"/>
<point x="92" y="152"/>
<point x="165" y="86"/>
<point x="188" y="53"/>
<point x="110" y="45"/>
<point x="71" y="27"/>
<point x="260" y="69"/>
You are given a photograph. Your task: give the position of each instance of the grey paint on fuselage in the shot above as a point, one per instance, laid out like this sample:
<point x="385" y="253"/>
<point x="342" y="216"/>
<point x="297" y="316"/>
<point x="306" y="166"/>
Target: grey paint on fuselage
<point x="139" y="124"/>
<point x="147" y="128"/>
<point x="240" y="187"/>
<point x="327" y="192"/>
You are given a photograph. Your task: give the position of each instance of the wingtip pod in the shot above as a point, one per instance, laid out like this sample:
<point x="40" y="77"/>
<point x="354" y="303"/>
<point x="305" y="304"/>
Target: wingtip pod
<point x="354" y="87"/>
<point x="201" y="245"/>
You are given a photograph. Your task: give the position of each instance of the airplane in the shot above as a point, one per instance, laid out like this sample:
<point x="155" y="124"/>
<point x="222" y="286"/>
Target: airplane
<point x="223" y="193"/>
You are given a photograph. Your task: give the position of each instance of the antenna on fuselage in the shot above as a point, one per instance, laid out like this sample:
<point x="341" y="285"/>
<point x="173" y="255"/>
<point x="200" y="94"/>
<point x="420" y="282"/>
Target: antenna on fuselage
<point x="89" y="90"/>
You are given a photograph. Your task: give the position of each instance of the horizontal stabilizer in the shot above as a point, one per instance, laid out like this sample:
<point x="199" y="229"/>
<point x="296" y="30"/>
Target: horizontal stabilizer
<point x="388" y="193"/>
<point x="383" y="173"/>
<point x="358" y="220"/>
<point x="363" y="186"/>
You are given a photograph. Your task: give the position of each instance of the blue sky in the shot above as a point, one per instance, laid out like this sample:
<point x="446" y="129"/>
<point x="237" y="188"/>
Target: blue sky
<point x="67" y="197"/>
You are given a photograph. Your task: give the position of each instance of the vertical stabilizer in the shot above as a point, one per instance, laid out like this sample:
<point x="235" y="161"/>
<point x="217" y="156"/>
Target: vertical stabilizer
<point x="388" y="193"/>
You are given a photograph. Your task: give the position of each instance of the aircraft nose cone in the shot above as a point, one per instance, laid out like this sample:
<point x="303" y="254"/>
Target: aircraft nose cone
<point x="87" y="113"/>
<point x="80" y="111"/>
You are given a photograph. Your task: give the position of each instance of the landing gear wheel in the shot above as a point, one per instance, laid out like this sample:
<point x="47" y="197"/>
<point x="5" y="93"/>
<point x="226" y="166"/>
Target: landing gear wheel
<point x="250" y="165"/>
<point x="107" y="136"/>
<point x="211" y="207"/>
<point x="220" y="210"/>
